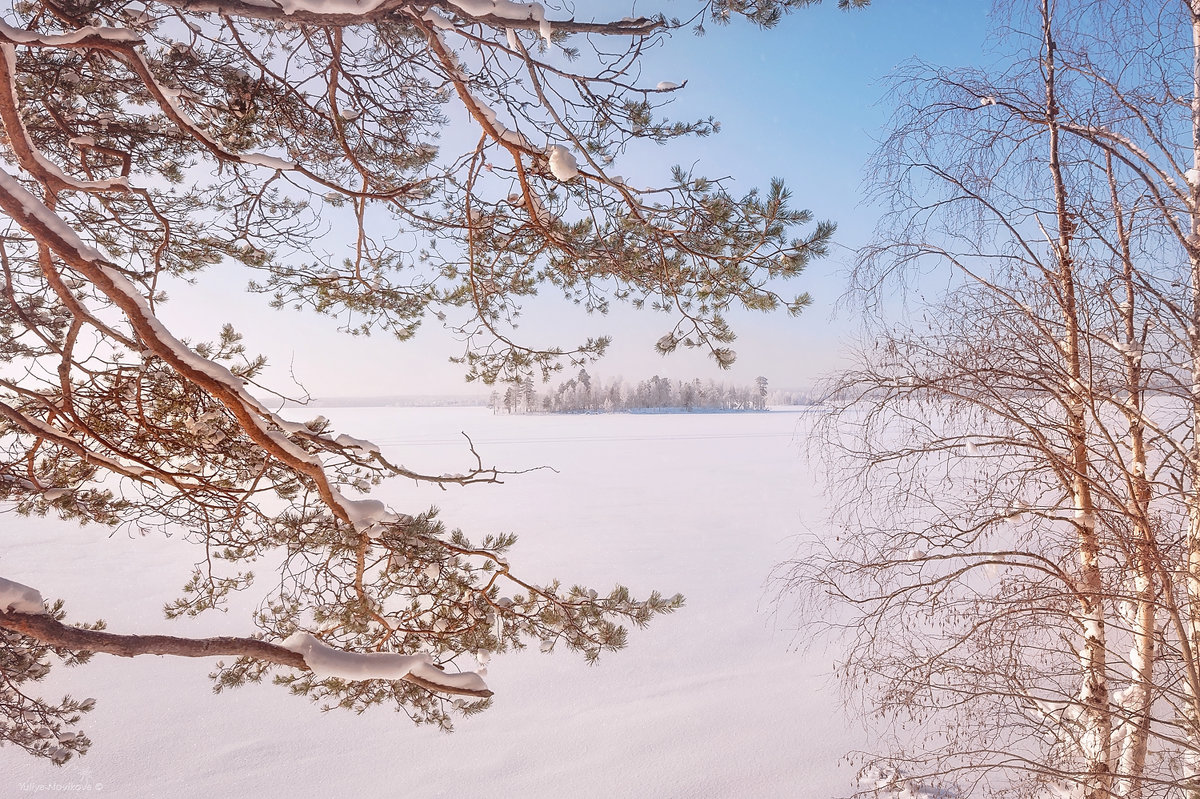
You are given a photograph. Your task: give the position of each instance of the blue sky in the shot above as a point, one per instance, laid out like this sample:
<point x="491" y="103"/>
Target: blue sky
<point x="805" y="101"/>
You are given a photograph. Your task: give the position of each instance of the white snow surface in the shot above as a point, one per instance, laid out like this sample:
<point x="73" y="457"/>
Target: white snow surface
<point x="361" y="444"/>
<point x="321" y="6"/>
<point x="22" y="36"/>
<point x="20" y="598"/>
<point x="325" y="661"/>
<point x="539" y="211"/>
<point x="562" y="163"/>
<point x="269" y="161"/>
<point x="367" y="515"/>
<point x="506" y="9"/>
<point x="712" y="701"/>
<point x="439" y="22"/>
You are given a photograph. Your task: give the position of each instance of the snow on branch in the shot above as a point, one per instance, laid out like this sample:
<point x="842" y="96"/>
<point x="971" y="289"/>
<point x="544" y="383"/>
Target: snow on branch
<point x="256" y="418"/>
<point x="510" y="12"/>
<point x="88" y="36"/>
<point x="18" y="598"/>
<point x="497" y="13"/>
<point x="120" y="44"/>
<point x="27" y="616"/>
<point x="28" y="155"/>
<point x="325" y="661"/>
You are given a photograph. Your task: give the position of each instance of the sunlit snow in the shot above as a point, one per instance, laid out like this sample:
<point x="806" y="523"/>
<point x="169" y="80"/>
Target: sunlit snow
<point x="701" y="504"/>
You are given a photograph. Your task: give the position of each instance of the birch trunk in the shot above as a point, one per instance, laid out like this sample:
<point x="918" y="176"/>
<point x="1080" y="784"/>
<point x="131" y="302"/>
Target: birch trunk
<point x="1135" y="705"/>
<point x="1095" y="716"/>
<point x="1193" y="496"/>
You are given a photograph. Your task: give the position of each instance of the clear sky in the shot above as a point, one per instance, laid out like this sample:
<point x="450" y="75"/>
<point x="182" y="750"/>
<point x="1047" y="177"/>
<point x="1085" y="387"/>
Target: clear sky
<point x="805" y="102"/>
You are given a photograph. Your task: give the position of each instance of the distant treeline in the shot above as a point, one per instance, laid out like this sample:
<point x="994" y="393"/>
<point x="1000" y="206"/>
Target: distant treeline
<point x="583" y="394"/>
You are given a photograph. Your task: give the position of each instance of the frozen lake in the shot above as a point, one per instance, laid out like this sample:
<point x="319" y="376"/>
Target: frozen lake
<point x="710" y="702"/>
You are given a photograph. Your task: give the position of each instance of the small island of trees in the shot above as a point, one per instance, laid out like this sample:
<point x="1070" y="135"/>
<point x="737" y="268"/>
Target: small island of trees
<point x="584" y="394"/>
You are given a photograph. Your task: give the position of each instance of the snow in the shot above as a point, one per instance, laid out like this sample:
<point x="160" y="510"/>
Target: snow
<point x="20" y="598"/>
<point x="500" y="8"/>
<point x="505" y="9"/>
<point x="511" y="136"/>
<point x="562" y="163"/>
<point x="1131" y="696"/>
<point x="52" y="433"/>
<point x="8" y="53"/>
<point x="1017" y="511"/>
<point x="261" y="416"/>
<point x="119" y="35"/>
<point x="325" y="661"/>
<point x="707" y="506"/>
<point x="269" y="161"/>
<point x="1192" y="176"/>
<point x="666" y="86"/>
<point x="320" y="6"/>
<point x="367" y="515"/>
<point x="437" y="20"/>
<point x="361" y="444"/>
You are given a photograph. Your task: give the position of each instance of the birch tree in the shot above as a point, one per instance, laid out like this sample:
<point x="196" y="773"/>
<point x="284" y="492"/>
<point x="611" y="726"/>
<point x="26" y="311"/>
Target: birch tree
<point x="1020" y="579"/>
<point x="461" y="156"/>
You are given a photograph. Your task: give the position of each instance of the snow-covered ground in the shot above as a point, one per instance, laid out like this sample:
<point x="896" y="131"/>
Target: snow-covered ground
<point x="711" y="702"/>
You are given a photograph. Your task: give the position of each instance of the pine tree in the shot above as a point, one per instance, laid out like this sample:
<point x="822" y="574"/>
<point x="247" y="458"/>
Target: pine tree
<point x="155" y="140"/>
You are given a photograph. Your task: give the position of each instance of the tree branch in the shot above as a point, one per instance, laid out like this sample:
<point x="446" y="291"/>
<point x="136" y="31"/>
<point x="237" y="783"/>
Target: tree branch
<point x="298" y="14"/>
<point x="47" y="630"/>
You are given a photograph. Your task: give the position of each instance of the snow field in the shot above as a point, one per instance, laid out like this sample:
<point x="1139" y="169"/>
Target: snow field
<point x="709" y="702"/>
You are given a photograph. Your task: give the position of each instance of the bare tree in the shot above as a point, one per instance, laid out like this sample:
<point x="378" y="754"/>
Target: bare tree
<point x="1019" y="575"/>
<point x="153" y="139"/>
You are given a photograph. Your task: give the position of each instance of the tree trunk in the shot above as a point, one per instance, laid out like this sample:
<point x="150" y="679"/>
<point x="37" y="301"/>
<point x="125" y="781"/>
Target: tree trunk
<point x="1095" y="717"/>
<point x="1135" y="705"/>
<point x="1193" y="497"/>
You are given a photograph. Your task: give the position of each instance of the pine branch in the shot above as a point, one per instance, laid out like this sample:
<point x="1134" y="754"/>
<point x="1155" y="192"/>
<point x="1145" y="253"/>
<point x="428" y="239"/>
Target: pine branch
<point x="248" y="9"/>
<point x="48" y="631"/>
